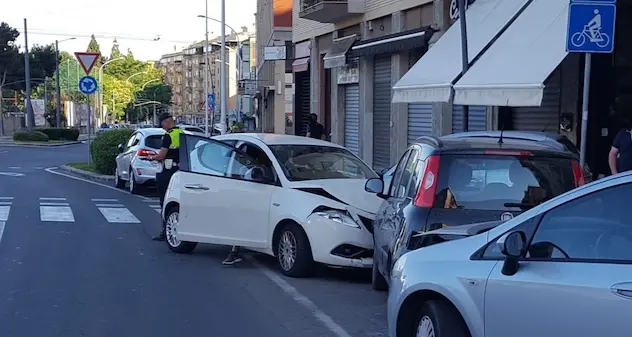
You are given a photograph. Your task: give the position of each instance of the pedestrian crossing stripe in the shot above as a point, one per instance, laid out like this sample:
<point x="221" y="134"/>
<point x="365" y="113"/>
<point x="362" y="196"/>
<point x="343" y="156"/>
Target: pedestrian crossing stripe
<point x="56" y="214"/>
<point x="118" y="215"/>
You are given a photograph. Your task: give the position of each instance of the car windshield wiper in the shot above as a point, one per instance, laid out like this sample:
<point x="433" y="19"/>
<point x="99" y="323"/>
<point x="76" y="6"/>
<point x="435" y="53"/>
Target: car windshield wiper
<point x="519" y="205"/>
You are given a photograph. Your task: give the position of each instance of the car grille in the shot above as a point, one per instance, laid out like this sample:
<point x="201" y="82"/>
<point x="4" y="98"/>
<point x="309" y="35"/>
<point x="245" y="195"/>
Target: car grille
<point x="368" y="223"/>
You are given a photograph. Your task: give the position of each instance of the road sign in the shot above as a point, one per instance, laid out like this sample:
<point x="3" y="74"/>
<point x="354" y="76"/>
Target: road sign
<point x="211" y="101"/>
<point x="88" y="85"/>
<point x="87" y="60"/>
<point x="591" y="27"/>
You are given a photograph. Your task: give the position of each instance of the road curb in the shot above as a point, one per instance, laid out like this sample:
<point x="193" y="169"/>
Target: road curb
<point x="86" y="174"/>
<point x="11" y="144"/>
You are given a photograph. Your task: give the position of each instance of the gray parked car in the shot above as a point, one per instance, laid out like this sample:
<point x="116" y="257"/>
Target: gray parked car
<point x="132" y="166"/>
<point x="563" y="268"/>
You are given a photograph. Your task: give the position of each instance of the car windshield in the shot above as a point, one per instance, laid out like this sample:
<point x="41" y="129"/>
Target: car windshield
<point x="154" y="142"/>
<point x="309" y="162"/>
<point x="512" y="183"/>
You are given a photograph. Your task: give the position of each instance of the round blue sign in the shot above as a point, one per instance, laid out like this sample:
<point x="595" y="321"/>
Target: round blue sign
<point x="88" y="85"/>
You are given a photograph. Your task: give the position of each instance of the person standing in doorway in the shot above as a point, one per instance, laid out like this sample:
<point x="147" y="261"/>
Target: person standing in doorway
<point x="315" y="129"/>
<point x="169" y="157"/>
<point x="620" y="156"/>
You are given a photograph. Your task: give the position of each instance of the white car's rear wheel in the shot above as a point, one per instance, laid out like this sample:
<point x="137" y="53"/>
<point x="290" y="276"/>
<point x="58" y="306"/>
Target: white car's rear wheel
<point x="294" y="253"/>
<point x="171" y="233"/>
<point x="134" y="187"/>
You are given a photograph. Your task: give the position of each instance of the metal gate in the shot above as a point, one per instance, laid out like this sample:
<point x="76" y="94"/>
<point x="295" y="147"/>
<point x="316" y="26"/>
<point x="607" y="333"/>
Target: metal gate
<point x="419" y="121"/>
<point x="545" y="117"/>
<point x="352" y="118"/>
<point x="302" y="103"/>
<point x="382" y="112"/>
<point x="477" y="118"/>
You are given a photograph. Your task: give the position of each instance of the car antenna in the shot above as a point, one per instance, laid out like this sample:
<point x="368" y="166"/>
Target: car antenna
<point x="502" y="129"/>
<point x="545" y="127"/>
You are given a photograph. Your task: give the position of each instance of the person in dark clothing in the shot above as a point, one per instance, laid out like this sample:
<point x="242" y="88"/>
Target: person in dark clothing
<point x="620" y="156"/>
<point x="169" y="156"/>
<point x="315" y="129"/>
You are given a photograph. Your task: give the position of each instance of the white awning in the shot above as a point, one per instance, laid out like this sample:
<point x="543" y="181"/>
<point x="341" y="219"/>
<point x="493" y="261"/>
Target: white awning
<point x="512" y="72"/>
<point x="431" y="78"/>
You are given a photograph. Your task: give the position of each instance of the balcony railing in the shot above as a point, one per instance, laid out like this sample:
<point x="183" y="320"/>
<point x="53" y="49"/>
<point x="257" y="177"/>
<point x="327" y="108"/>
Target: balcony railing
<point x="330" y="11"/>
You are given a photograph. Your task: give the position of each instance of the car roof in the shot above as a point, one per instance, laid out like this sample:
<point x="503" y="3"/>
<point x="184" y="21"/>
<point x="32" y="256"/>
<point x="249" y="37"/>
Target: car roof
<point x="276" y="139"/>
<point x="488" y="140"/>
<point x="151" y="131"/>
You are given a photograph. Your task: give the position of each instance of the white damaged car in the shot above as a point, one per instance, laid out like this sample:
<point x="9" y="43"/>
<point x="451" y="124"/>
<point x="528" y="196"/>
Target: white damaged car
<point x="296" y="198"/>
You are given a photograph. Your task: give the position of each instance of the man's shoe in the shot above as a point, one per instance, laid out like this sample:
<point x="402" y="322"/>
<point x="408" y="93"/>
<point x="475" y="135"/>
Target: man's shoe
<point x="232" y="259"/>
<point x="160" y="237"/>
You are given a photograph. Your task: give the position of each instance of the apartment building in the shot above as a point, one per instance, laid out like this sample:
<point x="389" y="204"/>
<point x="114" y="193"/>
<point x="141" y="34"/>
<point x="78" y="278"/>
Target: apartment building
<point x="381" y="73"/>
<point x="173" y="67"/>
<point x="274" y="73"/>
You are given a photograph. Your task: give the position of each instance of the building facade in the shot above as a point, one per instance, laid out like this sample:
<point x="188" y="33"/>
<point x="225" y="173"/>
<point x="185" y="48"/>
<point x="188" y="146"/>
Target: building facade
<point x="173" y="67"/>
<point x="274" y="80"/>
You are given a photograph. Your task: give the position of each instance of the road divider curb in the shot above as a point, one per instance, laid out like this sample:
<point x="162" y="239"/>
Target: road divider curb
<point x="86" y="174"/>
<point x="43" y="145"/>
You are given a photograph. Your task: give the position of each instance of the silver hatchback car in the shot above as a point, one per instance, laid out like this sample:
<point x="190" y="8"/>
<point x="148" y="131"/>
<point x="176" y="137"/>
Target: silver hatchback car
<point x="563" y="268"/>
<point x="132" y="166"/>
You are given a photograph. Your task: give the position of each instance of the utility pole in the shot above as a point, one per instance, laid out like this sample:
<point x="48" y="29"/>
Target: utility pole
<point x="58" y="103"/>
<point x="465" y="58"/>
<point x="222" y="71"/>
<point x="30" y="118"/>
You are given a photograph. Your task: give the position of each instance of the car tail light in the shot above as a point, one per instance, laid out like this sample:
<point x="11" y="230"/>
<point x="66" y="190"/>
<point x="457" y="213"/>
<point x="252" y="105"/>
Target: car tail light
<point x="145" y="153"/>
<point x="508" y="153"/>
<point x="578" y="174"/>
<point x="428" y="188"/>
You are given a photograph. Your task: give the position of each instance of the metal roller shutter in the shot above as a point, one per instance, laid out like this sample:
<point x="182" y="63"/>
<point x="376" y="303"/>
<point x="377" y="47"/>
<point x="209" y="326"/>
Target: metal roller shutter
<point x="352" y="118"/>
<point x="419" y="121"/>
<point x="545" y="117"/>
<point x="477" y="118"/>
<point x="382" y="112"/>
<point x="302" y="100"/>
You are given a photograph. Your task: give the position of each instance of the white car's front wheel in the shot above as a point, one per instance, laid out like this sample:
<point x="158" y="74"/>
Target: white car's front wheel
<point x="294" y="253"/>
<point x="171" y="233"/>
<point x="437" y="318"/>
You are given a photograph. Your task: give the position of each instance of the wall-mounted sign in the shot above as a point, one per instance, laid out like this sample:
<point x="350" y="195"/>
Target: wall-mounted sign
<point x="348" y="75"/>
<point x="274" y="53"/>
<point x="454" y="8"/>
<point x="302" y="50"/>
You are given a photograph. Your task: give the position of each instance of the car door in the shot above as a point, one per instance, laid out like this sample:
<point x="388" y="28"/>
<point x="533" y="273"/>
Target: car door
<point x="382" y="231"/>
<point x="218" y="204"/>
<point x="125" y="158"/>
<point x="575" y="278"/>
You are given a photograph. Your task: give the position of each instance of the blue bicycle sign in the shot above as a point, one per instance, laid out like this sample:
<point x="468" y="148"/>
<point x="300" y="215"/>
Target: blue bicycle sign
<point x="591" y="27"/>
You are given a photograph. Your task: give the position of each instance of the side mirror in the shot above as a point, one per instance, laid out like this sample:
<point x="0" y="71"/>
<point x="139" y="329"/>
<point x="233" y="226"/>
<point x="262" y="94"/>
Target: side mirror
<point x="513" y="245"/>
<point x="120" y="148"/>
<point x="374" y="185"/>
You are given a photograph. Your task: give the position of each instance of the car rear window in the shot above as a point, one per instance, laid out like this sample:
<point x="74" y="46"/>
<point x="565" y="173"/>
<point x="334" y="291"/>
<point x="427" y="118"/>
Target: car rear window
<point x="154" y="142"/>
<point x="501" y="182"/>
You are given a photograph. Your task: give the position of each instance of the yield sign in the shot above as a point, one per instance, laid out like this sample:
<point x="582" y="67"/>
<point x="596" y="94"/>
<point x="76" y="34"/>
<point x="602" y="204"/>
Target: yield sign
<point x="87" y="60"/>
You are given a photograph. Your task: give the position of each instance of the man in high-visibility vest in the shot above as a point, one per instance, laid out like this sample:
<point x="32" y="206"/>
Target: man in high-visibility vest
<point x="169" y="156"/>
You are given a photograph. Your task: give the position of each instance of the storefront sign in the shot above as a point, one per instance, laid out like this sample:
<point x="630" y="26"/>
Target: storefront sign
<point x="302" y="50"/>
<point x="454" y="8"/>
<point x="348" y="75"/>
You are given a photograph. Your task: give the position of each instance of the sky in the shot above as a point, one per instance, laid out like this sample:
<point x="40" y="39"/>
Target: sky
<point x="134" y="23"/>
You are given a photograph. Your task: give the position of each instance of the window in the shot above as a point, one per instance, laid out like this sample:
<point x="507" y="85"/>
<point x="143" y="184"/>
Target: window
<point x="154" y="141"/>
<point x="400" y="189"/>
<point x="415" y="180"/>
<point x="309" y="162"/>
<point x="131" y="140"/>
<point x="597" y="226"/>
<point x="501" y="182"/>
<point x="493" y="251"/>
<point x="397" y="176"/>
<point x="193" y="129"/>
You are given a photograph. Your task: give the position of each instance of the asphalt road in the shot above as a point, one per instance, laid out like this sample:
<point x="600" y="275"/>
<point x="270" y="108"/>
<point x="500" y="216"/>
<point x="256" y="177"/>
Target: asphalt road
<point x="76" y="259"/>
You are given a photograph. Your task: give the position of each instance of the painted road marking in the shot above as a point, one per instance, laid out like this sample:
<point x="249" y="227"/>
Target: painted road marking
<point x="2" y="223"/>
<point x="14" y="167"/>
<point x="11" y="174"/>
<point x="110" y="205"/>
<point x="5" y="203"/>
<point x="56" y="214"/>
<point x="53" y="199"/>
<point x="6" y="198"/>
<point x="156" y="208"/>
<point x="105" y="200"/>
<point x="54" y="204"/>
<point x="4" y="212"/>
<point x="151" y="200"/>
<point x="118" y="215"/>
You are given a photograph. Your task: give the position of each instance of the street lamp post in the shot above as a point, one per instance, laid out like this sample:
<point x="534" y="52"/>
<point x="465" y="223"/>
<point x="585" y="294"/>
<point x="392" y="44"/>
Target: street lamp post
<point x="58" y="103"/>
<point x="150" y="102"/>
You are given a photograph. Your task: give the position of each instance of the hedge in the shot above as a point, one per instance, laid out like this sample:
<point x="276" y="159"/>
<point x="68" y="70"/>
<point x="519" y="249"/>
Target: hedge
<point x="104" y="149"/>
<point x="30" y="136"/>
<point x="70" y="134"/>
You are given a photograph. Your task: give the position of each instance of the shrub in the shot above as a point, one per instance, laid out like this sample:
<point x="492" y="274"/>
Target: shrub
<point x="70" y="134"/>
<point x="30" y="136"/>
<point x="104" y="149"/>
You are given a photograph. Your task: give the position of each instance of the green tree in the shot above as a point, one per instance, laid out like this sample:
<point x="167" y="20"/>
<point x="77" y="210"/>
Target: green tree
<point x="116" y="95"/>
<point x="116" y="52"/>
<point x="94" y="47"/>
